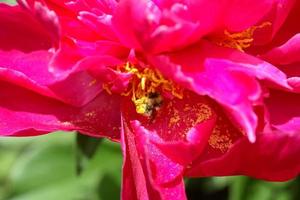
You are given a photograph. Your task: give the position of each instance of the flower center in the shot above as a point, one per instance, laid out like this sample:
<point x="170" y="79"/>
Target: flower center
<point x="240" y="40"/>
<point x="146" y="88"/>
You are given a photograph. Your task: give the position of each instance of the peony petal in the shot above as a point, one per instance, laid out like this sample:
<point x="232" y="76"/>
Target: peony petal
<point x="185" y="152"/>
<point x="136" y="182"/>
<point x="283" y="18"/>
<point x="226" y="75"/>
<point x="72" y="53"/>
<point x="272" y="157"/>
<point x="284" y="111"/>
<point x="240" y="15"/>
<point x="146" y="177"/>
<point x="22" y="31"/>
<point x="160" y="26"/>
<point x="285" y="22"/>
<point x="285" y="54"/>
<point x="23" y="112"/>
<point x="30" y="70"/>
<point x="295" y="83"/>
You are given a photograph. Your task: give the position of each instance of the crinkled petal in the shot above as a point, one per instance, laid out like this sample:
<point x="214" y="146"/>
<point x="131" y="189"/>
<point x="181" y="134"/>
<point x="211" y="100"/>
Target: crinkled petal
<point x="31" y="70"/>
<point x="159" y="26"/>
<point x="72" y="53"/>
<point x="226" y="75"/>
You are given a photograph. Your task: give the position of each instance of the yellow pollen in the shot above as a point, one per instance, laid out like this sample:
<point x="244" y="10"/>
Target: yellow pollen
<point x="146" y="82"/>
<point x="240" y="40"/>
<point x="106" y="88"/>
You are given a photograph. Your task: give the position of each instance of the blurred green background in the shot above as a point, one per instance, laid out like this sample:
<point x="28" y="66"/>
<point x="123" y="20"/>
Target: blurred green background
<point x="46" y="168"/>
<point x="8" y="1"/>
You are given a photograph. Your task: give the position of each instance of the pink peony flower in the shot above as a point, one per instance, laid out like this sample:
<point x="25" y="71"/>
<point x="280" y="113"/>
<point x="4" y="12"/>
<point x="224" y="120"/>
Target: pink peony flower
<point x="189" y="88"/>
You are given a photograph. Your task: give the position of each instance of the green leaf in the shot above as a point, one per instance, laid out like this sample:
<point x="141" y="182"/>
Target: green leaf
<point x="8" y="1"/>
<point x="44" y="168"/>
<point x="86" y="148"/>
<point x="238" y="188"/>
<point x="251" y="189"/>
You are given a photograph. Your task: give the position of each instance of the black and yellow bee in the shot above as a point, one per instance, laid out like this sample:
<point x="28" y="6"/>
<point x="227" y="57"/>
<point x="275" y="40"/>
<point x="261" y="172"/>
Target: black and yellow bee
<point x="149" y="104"/>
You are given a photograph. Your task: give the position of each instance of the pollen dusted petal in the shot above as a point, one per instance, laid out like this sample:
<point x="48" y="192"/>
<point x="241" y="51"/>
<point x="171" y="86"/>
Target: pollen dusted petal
<point x="179" y="130"/>
<point x="272" y="157"/>
<point x="175" y="118"/>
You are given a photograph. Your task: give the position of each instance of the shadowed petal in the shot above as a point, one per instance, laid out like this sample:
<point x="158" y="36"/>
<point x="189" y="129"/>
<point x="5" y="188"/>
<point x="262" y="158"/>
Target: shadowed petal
<point x="22" y="31"/>
<point x="284" y="111"/>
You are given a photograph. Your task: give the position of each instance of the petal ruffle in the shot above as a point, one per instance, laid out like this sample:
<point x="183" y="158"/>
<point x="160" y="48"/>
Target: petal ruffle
<point x="226" y="75"/>
<point x="31" y="70"/>
<point x="160" y="26"/>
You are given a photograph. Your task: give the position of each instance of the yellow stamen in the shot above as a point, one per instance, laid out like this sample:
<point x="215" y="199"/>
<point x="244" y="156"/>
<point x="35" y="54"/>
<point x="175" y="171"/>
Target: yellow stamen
<point x="145" y="82"/>
<point x="240" y="40"/>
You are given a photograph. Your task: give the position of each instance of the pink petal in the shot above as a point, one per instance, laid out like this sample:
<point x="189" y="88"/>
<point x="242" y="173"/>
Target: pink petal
<point x="20" y="30"/>
<point x="272" y="157"/>
<point x="71" y="53"/>
<point x="23" y="112"/>
<point x="226" y="75"/>
<point x="167" y="146"/>
<point x="138" y="172"/>
<point x="283" y="10"/>
<point x="285" y="54"/>
<point x="30" y="70"/>
<point x="240" y="15"/>
<point x="284" y="18"/>
<point x="284" y="111"/>
<point x="288" y="17"/>
<point x="160" y="26"/>
<point x="295" y="83"/>
<point x="185" y="152"/>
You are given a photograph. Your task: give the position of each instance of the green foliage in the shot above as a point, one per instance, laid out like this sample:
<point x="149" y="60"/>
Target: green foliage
<point x="8" y="1"/>
<point x="86" y="148"/>
<point x="44" y="167"/>
<point x="250" y="189"/>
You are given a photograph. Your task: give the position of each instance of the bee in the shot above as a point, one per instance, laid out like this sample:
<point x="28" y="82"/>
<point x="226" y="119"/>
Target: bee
<point x="149" y="105"/>
<point x="153" y="104"/>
